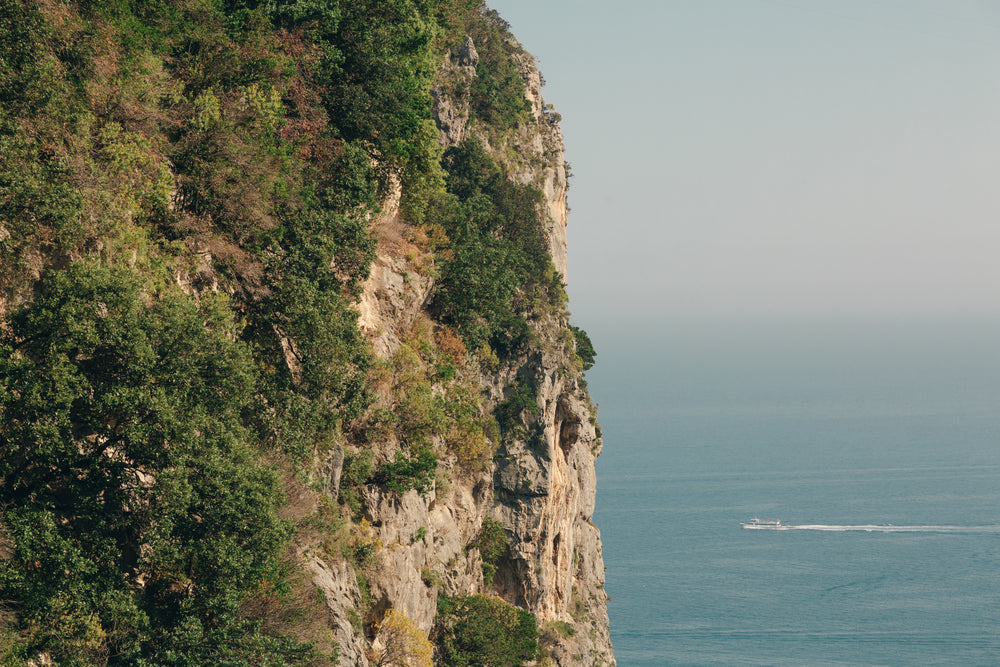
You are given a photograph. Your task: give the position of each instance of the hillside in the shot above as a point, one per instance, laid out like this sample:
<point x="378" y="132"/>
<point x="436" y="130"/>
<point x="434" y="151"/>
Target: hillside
<point x="287" y="374"/>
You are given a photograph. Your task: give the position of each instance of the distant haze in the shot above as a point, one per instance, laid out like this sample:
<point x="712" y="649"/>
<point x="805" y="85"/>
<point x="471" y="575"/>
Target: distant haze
<point x="762" y="166"/>
<point x="785" y="244"/>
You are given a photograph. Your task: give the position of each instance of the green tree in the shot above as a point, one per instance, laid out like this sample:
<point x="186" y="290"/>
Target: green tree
<point x="135" y="504"/>
<point x="323" y="380"/>
<point x="483" y="631"/>
<point x="497" y="92"/>
<point x="584" y="347"/>
<point x="497" y="264"/>
<point x="406" y="473"/>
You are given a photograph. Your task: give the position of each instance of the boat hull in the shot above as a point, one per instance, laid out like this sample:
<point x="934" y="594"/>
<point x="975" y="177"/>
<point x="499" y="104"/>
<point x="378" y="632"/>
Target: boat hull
<point x="761" y="524"/>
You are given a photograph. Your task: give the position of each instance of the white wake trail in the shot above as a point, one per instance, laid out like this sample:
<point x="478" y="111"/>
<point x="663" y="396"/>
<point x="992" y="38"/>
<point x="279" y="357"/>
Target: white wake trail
<point x="871" y="528"/>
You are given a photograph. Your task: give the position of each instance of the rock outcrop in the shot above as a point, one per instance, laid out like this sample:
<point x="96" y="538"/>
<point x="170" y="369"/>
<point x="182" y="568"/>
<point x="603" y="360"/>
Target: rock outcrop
<point x="541" y="486"/>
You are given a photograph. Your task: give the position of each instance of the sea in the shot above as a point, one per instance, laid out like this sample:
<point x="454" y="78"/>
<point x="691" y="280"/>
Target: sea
<point x="884" y="467"/>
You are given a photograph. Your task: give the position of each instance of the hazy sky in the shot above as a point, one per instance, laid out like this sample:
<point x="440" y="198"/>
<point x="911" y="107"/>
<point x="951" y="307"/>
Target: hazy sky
<point x="749" y="165"/>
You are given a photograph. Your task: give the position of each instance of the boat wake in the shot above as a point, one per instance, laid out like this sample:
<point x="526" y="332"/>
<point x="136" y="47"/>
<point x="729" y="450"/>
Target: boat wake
<point x="873" y="528"/>
<point x="869" y="528"/>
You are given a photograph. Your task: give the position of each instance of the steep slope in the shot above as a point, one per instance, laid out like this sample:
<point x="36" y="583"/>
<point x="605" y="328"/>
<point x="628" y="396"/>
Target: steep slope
<point x="287" y="373"/>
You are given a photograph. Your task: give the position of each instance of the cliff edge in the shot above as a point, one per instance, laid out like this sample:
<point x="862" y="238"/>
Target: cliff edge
<point x="287" y="374"/>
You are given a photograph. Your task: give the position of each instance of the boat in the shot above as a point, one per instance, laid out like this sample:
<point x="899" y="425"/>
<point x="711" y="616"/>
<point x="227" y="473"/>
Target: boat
<point x="763" y="524"/>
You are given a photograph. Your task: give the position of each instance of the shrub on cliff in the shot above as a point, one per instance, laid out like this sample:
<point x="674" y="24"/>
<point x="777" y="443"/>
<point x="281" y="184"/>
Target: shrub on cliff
<point x="405" y="473"/>
<point x="497" y="92"/>
<point x="584" y="348"/>
<point x="492" y="543"/>
<point x="481" y="630"/>
<point x="496" y="265"/>
<point x="402" y="642"/>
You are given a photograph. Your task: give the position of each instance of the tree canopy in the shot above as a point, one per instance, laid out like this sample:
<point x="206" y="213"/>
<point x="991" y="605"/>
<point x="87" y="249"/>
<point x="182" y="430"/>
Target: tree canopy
<point x="135" y="507"/>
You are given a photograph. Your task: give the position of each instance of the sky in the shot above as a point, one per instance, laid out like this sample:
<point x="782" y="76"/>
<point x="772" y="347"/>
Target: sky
<point x="759" y="174"/>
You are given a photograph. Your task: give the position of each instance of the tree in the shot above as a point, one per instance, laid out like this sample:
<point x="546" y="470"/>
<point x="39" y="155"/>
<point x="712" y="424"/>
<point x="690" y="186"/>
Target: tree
<point x="498" y="262"/>
<point x="134" y="503"/>
<point x="584" y="347"/>
<point x="403" y="644"/>
<point x="484" y="631"/>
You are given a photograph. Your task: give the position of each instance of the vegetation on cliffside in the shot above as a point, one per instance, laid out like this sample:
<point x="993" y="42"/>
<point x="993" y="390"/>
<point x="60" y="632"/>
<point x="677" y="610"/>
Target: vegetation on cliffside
<point x="186" y="190"/>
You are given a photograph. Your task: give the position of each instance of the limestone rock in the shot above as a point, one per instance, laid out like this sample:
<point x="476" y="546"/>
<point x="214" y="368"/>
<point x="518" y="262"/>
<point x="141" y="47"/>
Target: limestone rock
<point x="541" y="485"/>
<point x="396" y="290"/>
<point x="340" y="589"/>
<point x="451" y="118"/>
<point x="467" y="55"/>
<point x="333" y="469"/>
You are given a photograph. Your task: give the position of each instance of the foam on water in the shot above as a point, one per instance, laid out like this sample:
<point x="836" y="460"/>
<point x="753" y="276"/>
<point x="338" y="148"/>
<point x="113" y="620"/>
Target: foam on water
<point x="871" y="528"/>
<point x="896" y="529"/>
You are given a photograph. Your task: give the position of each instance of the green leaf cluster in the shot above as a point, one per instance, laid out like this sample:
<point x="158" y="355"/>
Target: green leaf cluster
<point x="405" y="473"/>
<point x="584" y="347"/>
<point x="496" y="266"/>
<point x="496" y="94"/>
<point x="482" y="630"/>
<point x="522" y="397"/>
<point x="492" y="542"/>
<point x="136" y="507"/>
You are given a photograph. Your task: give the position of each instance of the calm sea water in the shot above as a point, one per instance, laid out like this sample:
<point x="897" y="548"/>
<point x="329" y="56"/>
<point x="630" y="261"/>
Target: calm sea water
<point x="690" y="587"/>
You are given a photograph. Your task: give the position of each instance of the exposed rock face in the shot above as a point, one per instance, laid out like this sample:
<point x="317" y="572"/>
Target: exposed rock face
<point x="394" y="293"/>
<point x="540" y="144"/>
<point x="340" y="589"/>
<point x="541" y="486"/>
<point x="545" y="486"/>
<point x="544" y="142"/>
<point x="467" y="55"/>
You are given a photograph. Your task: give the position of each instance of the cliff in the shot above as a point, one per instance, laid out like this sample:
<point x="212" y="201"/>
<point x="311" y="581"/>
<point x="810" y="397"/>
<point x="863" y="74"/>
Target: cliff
<point x="289" y="375"/>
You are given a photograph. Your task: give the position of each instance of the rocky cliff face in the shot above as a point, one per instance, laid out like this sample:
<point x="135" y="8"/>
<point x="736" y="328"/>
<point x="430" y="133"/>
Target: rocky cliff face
<point x="275" y="381"/>
<point x="541" y="484"/>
